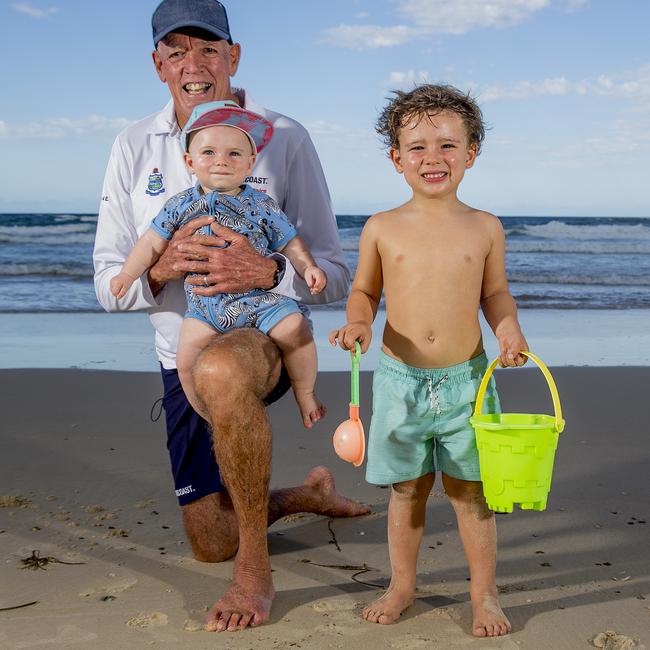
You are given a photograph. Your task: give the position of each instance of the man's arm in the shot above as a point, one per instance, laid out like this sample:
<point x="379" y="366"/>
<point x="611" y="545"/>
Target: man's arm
<point x="309" y="207"/>
<point x="116" y="235"/>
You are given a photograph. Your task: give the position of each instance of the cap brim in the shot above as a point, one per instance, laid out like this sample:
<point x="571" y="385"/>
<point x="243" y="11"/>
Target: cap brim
<point x="223" y="36"/>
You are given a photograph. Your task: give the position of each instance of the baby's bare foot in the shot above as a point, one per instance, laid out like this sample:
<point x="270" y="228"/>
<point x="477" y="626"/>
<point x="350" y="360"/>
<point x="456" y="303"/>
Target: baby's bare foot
<point x="489" y="619"/>
<point x="311" y="408"/>
<point x="389" y="607"/>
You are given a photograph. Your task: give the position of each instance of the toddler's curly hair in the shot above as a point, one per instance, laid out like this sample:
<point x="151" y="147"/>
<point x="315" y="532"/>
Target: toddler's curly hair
<point x="430" y="99"/>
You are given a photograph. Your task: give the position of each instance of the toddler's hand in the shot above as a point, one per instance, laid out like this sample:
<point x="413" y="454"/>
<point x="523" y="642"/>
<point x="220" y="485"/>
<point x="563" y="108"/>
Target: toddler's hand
<point x="315" y="278"/>
<point x="120" y="284"/>
<point x="511" y="343"/>
<point x="349" y="333"/>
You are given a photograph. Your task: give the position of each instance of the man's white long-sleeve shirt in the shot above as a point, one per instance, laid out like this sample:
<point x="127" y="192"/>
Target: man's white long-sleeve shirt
<point x="146" y="168"/>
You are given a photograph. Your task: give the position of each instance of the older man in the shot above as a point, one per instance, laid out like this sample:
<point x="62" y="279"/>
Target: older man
<point x="240" y="373"/>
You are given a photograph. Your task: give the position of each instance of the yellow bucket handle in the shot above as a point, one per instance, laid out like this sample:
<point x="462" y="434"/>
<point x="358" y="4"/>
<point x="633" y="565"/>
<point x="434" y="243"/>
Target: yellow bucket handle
<point x="559" y="422"/>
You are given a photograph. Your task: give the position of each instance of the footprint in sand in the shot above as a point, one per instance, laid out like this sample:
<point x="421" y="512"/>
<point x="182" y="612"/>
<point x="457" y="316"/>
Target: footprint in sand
<point x="115" y="587"/>
<point x="334" y="605"/>
<point x="340" y="630"/>
<point x="610" y="640"/>
<point x="151" y="619"/>
<point x="66" y="635"/>
<point x="412" y="642"/>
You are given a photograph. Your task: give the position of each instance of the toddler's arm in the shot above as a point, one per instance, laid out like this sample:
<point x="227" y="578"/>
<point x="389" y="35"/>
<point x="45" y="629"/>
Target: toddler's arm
<point x="497" y="303"/>
<point x="144" y="254"/>
<point x="301" y="259"/>
<point x="365" y="294"/>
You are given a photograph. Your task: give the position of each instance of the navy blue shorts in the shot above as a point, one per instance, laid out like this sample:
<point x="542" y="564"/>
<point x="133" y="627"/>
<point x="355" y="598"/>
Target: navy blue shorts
<point x="189" y="441"/>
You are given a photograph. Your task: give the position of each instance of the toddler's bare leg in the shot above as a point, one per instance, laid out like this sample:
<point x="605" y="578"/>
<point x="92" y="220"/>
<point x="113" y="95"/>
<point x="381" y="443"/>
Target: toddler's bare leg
<point x="293" y="337"/>
<point x="195" y="335"/>
<point x="406" y="513"/>
<point x="477" y="528"/>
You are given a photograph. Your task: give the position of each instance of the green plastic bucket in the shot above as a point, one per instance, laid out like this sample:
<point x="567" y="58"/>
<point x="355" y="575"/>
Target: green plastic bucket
<point x="516" y="450"/>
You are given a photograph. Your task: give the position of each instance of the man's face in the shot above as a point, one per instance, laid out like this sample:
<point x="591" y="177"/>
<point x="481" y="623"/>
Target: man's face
<point x="195" y="70"/>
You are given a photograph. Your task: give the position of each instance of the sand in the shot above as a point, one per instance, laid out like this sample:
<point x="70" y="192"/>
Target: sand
<point x="91" y="534"/>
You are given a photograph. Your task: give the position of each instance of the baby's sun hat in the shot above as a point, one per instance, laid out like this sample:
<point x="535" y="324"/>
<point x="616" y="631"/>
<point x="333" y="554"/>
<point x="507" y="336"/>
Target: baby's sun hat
<point x="229" y="113"/>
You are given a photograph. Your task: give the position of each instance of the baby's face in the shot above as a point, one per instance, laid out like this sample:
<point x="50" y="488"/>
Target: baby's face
<point x="221" y="157"/>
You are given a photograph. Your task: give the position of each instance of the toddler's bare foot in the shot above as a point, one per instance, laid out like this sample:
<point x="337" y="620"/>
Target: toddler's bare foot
<point x="489" y="619"/>
<point x="389" y="607"/>
<point x="311" y="408"/>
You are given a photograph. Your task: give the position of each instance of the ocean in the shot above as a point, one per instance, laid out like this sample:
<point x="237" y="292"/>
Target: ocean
<point x="551" y="262"/>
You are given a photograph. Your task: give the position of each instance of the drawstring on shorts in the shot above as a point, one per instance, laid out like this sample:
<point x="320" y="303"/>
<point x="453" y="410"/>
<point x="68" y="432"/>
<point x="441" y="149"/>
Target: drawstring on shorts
<point x="434" y="395"/>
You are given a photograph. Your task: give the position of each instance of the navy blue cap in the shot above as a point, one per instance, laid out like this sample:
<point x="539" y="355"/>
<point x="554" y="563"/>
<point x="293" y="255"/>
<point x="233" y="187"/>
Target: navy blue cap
<point x="172" y="15"/>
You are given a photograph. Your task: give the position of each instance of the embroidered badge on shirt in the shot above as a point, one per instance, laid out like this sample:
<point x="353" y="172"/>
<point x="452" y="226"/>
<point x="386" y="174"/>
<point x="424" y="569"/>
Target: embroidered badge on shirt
<point x="155" y="185"/>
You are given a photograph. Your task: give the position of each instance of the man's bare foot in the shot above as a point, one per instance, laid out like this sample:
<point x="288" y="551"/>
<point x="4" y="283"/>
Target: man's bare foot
<point x="327" y="501"/>
<point x="311" y="408"/>
<point x="245" y="604"/>
<point x="489" y="619"/>
<point x="389" y="607"/>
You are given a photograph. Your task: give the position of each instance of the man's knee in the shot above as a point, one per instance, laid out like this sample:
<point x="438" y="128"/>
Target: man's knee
<point x="243" y="360"/>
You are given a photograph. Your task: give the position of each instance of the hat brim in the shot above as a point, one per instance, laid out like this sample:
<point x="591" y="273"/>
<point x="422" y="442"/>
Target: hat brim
<point x="258" y="129"/>
<point x="221" y="35"/>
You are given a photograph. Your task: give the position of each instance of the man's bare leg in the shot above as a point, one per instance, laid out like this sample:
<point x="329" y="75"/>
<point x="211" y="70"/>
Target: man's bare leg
<point x="406" y="514"/>
<point x="231" y="378"/>
<point x="477" y="528"/>
<point x="211" y="523"/>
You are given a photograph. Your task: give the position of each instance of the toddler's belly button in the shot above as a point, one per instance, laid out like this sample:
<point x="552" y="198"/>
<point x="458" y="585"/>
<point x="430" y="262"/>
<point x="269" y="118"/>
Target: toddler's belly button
<point x="431" y="338"/>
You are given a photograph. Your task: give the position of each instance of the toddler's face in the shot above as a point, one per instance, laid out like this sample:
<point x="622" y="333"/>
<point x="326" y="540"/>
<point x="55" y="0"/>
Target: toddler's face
<point x="433" y="153"/>
<point x="221" y="157"/>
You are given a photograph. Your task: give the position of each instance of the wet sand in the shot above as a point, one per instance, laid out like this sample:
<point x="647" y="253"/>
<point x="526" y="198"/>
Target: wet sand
<point x="84" y="479"/>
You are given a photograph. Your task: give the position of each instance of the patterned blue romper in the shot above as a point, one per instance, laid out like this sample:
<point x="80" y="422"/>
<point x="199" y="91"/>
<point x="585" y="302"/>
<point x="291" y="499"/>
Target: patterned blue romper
<point x="250" y="213"/>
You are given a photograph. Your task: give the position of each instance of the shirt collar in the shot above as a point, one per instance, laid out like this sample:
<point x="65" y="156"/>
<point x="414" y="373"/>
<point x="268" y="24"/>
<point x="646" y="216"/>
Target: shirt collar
<point x="164" y="123"/>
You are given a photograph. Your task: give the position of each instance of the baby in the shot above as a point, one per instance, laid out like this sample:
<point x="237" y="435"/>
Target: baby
<point x="221" y="142"/>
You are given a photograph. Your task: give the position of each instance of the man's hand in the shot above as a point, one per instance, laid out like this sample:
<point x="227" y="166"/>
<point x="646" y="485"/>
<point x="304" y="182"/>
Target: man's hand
<point x="237" y="268"/>
<point x="351" y="332"/>
<point x="174" y="263"/>
<point x="226" y="261"/>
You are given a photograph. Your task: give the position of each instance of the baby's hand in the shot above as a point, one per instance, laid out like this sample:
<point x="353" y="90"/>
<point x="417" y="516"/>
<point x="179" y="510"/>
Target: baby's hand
<point x="511" y="343"/>
<point x="315" y="278"/>
<point x="120" y="284"/>
<point x="349" y="333"/>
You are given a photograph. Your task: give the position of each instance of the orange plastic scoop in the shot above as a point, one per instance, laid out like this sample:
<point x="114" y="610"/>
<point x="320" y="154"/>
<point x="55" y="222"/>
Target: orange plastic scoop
<point x="349" y="439"/>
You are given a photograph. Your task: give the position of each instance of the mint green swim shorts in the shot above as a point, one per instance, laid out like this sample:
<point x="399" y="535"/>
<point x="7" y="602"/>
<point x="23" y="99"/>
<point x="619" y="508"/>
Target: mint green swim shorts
<point x="420" y="420"/>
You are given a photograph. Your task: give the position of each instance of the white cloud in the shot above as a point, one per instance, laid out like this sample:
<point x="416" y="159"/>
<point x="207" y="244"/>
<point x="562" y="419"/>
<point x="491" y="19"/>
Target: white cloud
<point x="526" y="90"/>
<point x="34" y="12"/>
<point x="634" y="84"/>
<point x="365" y="37"/>
<point x="428" y="17"/>
<point x="460" y="16"/>
<point x="59" y="128"/>
<point x="408" y="78"/>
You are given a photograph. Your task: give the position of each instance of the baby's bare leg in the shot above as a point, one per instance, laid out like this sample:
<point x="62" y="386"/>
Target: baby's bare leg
<point x="293" y="337"/>
<point x="477" y="528"/>
<point x="406" y="514"/>
<point x="195" y="335"/>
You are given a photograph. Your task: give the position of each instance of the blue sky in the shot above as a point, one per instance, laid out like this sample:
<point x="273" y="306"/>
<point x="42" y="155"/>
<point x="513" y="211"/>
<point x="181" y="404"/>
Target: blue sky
<point x="564" y="86"/>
